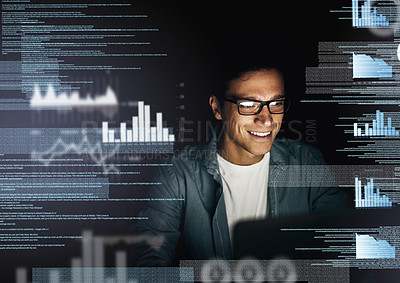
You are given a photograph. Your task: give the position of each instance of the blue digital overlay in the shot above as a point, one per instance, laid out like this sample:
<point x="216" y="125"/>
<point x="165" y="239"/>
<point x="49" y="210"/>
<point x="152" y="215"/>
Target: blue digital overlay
<point x="369" y="16"/>
<point x="378" y="128"/>
<point x="365" y="66"/>
<point x="372" y="197"/>
<point x="367" y="247"/>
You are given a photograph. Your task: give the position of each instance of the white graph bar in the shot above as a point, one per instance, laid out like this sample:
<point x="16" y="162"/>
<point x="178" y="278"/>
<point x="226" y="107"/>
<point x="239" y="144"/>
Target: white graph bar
<point x="120" y="259"/>
<point x="153" y="134"/>
<point x="374" y="132"/>
<point x="129" y="135"/>
<point x="87" y="255"/>
<point x="98" y="244"/>
<point x="123" y="132"/>
<point x="147" y="136"/>
<point x="21" y="275"/>
<point x="121" y="263"/>
<point x="368" y="195"/>
<point x="141" y="120"/>
<point x="165" y="134"/>
<point x="99" y="256"/>
<point x="357" y="194"/>
<point x="105" y="131"/>
<point x="111" y="136"/>
<point x="159" y="127"/>
<point x="378" y="123"/>
<point x="363" y="15"/>
<point x="171" y="138"/>
<point x="87" y="248"/>
<point x="135" y="129"/>
<point x="76" y="270"/>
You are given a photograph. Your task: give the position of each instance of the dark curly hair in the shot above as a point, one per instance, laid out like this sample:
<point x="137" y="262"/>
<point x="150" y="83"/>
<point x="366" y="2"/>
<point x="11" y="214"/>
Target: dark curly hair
<point x="230" y="73"/>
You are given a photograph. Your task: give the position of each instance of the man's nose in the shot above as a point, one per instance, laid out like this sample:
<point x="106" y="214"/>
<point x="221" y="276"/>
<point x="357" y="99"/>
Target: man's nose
<point x="264" y="117"/>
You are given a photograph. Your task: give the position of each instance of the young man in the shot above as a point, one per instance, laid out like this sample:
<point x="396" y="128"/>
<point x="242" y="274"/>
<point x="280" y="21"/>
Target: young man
<point x="247" y="173"/>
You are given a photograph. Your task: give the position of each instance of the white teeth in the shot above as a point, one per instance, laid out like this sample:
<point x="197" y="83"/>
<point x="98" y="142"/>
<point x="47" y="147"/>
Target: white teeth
<point x="260" y="134"/>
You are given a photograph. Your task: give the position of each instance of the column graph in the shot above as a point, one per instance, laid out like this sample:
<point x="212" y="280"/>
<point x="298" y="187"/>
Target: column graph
<point x="91" y="266"/>
<point x="141" y="131"/>
<point x="369" y="16"/>
<point x="372" y="197"/>
<point x="378" y="128"/>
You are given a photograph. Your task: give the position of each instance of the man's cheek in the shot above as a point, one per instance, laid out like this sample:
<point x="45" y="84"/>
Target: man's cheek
<point x="231" y="129"/>
<point x="278" y="126"/>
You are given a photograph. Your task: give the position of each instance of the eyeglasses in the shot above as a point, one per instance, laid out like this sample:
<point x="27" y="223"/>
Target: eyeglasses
<point x="254" y="107"/>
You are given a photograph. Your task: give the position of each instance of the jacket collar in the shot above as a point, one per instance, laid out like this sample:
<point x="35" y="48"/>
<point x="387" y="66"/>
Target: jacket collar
<point x="279" y="155"/>
<point x="210" y="156"/>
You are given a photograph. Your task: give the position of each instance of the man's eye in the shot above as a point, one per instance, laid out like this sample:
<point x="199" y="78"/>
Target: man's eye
<point x="247" y="104"/>
<point x="276" y="103"/>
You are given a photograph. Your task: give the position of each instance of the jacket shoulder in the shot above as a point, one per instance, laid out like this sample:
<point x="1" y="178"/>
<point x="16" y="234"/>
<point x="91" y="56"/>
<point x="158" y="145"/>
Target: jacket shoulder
<point x="296" y="152"/>
<point x="184" y="162"/>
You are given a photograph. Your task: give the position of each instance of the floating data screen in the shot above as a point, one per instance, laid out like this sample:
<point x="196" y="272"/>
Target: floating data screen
<point x="95" y="96"/>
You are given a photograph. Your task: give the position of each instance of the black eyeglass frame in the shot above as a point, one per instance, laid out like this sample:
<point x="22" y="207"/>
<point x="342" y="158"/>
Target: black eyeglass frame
<point x="263" y="103"/>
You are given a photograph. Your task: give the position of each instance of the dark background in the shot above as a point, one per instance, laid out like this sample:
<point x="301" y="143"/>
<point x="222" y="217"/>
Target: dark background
<point x="203" y="39"/>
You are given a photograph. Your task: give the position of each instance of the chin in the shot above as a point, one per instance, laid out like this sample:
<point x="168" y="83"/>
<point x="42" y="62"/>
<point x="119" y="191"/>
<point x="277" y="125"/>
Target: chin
<point x="260" y="151"/>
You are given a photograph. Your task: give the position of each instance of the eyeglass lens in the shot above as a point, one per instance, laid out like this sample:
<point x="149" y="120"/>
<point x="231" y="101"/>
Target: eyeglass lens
<point x="252" y="107"/>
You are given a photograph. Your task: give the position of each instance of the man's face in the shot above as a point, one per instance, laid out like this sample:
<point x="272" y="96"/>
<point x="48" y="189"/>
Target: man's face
<point x="248" y="138"/>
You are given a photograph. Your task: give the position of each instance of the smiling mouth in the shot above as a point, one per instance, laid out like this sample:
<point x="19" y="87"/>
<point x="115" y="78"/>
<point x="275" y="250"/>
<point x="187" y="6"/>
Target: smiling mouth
<point x="260" y="134"/>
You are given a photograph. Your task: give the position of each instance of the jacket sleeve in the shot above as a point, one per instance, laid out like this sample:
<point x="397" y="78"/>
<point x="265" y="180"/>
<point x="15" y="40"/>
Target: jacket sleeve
<point x="325" y="195"/>
<point x="158" y="235"/>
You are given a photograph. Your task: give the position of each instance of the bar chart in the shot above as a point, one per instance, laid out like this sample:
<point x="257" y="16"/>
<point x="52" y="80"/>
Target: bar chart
<point x="367" y="247"/>
<point x="91" y="266"/>
<point x="365" y="66"/>
<point x="378" y="128"/>
<point x="372" y="197"/>
<point x="141" y="130"/>
<point x="369" y="16"/>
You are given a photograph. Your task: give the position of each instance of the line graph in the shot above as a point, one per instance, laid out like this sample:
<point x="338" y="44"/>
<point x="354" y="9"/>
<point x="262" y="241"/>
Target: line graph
<point x="95" y="152"/>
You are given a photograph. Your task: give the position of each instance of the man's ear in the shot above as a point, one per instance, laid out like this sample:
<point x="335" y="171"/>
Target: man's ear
<point x="214" y="103"/>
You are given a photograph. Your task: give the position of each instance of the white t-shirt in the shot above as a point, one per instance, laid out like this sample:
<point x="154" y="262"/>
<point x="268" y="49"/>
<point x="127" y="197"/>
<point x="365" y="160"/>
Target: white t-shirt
<point x="245" y="190"/>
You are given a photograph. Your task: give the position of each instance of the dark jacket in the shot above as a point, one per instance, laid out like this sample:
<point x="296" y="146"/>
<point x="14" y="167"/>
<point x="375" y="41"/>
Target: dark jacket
<point x="187" y="212"/>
